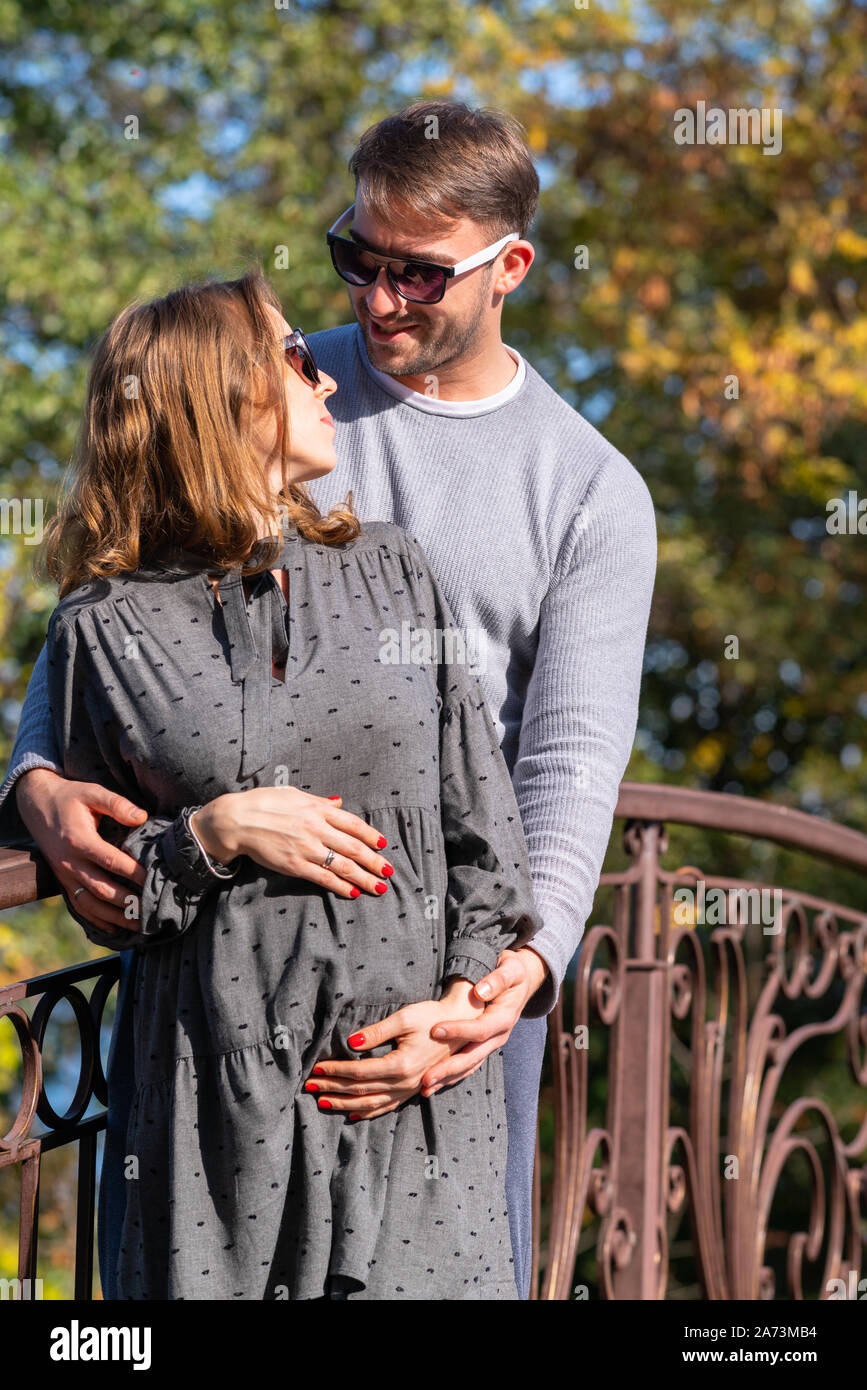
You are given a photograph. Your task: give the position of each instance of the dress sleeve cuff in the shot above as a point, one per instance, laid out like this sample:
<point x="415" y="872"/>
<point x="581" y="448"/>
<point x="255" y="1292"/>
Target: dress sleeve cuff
<point x="186" y="860"/>
<point x="470" y="959"/>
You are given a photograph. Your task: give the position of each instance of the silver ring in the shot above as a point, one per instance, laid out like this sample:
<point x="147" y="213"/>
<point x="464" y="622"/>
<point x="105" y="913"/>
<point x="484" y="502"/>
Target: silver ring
<point x="77" y="891"/>
<point x="328" y="859"/>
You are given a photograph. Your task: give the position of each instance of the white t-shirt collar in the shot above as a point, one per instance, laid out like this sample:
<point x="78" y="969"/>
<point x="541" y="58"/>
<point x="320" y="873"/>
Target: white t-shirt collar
<point x="432" y="404"/>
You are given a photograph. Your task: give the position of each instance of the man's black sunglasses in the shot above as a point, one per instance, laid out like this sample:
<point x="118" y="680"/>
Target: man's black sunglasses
<point x="421" y="282"/>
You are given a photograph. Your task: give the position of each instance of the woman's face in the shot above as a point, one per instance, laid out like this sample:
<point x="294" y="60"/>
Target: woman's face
<point x="311" y="430"/>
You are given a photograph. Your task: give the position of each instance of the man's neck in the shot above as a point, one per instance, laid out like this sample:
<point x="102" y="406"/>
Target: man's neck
<point x="472" y="379"/>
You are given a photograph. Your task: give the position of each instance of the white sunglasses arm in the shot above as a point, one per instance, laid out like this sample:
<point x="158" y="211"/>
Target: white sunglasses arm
<point x="342" y="221"/>
<point x="481" y="257"/>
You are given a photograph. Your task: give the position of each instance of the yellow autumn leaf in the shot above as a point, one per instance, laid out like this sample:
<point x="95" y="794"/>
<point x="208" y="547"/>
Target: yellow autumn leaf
<point x="708" y="754"/>
<point x="801" y="277"/>
<point x="774" y="440"/>
<point x="851" y="245"/>
<point x="843" y="382"/>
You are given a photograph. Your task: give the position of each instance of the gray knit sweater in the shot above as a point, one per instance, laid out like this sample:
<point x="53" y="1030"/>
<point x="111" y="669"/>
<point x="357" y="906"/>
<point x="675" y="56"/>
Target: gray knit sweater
<point x="542" y="536"/>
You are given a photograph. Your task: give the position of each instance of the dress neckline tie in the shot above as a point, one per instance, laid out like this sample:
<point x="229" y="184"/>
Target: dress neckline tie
<point x="258" y="635"/>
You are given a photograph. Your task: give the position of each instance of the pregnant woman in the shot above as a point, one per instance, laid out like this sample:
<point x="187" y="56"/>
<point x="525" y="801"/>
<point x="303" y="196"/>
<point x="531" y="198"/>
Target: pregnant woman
<point x="237" y="664"/>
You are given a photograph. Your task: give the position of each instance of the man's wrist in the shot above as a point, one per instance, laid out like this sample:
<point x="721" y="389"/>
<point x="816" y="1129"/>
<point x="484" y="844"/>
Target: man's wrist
<point x="34" y="804"/>
<point x="536" y="969"/>
<point x="35" y="777"/>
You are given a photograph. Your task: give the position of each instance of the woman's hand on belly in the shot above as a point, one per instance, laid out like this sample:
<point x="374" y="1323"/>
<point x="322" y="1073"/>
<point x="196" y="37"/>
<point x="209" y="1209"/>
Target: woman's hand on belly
<point x="291" y="832"/>
<point x="375" y="1085"/>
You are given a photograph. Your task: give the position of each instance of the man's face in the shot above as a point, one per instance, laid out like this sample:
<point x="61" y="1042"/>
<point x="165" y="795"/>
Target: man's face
<point x="428" y="335"/>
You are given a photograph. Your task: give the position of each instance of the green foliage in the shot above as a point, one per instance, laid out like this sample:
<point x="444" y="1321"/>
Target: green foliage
<point x="706" y="262"/>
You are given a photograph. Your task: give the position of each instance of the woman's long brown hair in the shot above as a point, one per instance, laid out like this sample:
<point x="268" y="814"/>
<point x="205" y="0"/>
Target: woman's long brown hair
<point x="164" y="455"/>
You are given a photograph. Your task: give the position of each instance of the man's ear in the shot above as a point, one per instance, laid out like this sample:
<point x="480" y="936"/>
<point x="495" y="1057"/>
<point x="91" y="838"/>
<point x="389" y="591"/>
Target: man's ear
<point x="518" y="256"/>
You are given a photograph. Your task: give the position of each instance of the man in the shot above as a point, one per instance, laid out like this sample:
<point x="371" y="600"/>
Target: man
<point x="541" y="534"/>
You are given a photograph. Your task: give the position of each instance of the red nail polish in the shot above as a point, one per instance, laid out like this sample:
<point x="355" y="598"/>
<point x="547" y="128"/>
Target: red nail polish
<point x="318" y="1071"/>
<point x="334" y="798"/>
<point x="387" y="870"/>
<point x="381" y="842"/>
<point x="310" y="1086"/>
<point x="356" y="1040"/>
<point x="325" y="1105"/>
<point x="380" y="888"/>
<point x="355" y="1117"/>
<point x="356" y="893"/>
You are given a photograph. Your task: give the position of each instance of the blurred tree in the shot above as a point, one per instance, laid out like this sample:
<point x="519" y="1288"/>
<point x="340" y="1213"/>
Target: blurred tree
<point x="714" y="336"/>
<point x="717" y="335"/>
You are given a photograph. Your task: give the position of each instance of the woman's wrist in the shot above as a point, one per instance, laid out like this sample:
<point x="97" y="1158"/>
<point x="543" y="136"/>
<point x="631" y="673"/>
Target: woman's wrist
<point x="457" y="989"/>
<point x="216" y="828"/>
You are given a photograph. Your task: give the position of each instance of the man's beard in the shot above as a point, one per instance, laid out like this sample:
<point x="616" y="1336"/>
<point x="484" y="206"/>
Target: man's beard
<point x="422" y="356"/>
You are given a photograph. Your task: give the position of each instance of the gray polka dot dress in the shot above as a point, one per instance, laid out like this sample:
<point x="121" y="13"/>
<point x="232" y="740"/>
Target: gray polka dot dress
<point x="238" y="1186"/>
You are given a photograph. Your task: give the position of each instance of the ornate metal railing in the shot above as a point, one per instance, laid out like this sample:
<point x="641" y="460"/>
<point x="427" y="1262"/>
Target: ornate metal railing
<point x="654" y="966"/>
<point x="24" y="878"/>
<point x="657" y="965"/>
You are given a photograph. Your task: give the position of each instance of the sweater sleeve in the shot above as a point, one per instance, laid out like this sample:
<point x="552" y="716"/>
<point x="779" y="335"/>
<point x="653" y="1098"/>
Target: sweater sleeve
<point x="489" y="898"/>
<point x="581" y="708"/>
<point x="179" y="875"/>
<point x="35" y="746"/>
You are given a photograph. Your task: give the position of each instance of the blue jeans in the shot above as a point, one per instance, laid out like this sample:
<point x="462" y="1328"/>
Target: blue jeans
<point x="522" y="1067"/>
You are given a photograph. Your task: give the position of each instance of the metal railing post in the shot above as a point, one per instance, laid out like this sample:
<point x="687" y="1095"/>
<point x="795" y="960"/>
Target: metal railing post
<point x="640" y="1117"/>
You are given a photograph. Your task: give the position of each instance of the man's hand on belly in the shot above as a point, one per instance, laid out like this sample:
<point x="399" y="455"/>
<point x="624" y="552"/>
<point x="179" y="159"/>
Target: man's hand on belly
<point x="439" y="1042"/>
<point x="507" y="989"/>
<point x="375" y="1085"/>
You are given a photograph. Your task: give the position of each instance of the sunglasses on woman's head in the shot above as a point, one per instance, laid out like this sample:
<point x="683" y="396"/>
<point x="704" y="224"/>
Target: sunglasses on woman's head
<point x="299" y="356"/>
<point x="421" y="282"/>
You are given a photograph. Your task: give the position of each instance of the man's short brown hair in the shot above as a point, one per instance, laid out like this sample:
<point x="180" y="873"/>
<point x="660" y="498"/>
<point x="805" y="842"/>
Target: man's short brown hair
<point x="441" y="160"/>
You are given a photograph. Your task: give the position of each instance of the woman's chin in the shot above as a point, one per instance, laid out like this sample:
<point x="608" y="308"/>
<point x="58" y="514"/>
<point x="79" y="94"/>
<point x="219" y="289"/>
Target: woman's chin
<point x="302" y="470"/>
